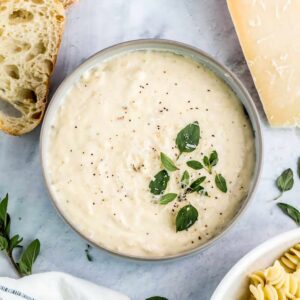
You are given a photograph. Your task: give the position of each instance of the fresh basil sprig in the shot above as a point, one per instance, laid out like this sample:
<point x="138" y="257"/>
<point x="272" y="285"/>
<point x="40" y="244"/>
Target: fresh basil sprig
<point x="221" y="183"/>
<point x="185" y="179"/>
<point x="290" y="211"/>
<point x="188" y="138"/>
<point x="167" y="162"/>
<point x="165" y="199"/>
<point x="8" y="244"/>
<point x="211" y="161"/>
<point x="194" y="164"/>
<point x="186" y="217"/>
<point x="157" y="298"/>
<point x="28" y="258"/>
<point x="159" y="184"/>
<point x="285" y="182"/>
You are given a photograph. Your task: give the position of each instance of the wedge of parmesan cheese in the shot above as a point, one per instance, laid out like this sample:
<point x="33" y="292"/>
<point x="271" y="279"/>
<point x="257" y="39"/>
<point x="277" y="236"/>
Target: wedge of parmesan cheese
<point x="269" y="33"/>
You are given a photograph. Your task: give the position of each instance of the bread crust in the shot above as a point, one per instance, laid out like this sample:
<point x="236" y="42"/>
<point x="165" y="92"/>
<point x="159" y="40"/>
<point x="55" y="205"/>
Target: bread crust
<point x="68" y="3"/>
<point x="32" y="112"/>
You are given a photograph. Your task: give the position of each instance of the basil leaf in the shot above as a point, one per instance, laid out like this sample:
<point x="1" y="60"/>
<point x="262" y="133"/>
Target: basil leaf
<point x="165" y="199"/>
<point x="157" y="298"/>
<point x="285" y="182"/>
<point x="15" y="242"/>
<point x="298" y="167"/>
<point x="3" y="210"/>
<point x="221" y="183"/>
<point x="194" y="164"/>
<point x="7" y="227"/>
<point x="213" y="158"/>
<point x="196" y="185"/>
<point x="3" y="243"/>
<point x="290" y="211"/>
<point x="188" y="138"/>
<point x="167" y="162"/>
<point x="186" y="217"/>
<point x="160" y="182"/>
<point x="185" y="179"/>
<point x="211" y="161"/>
<point x="28" y="257"/>
<point x="206" y="161"/>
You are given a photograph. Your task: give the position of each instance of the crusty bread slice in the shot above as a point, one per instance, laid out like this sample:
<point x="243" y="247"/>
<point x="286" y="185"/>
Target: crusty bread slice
<point x="30" y="36"/>
<point x="68" y="3"/>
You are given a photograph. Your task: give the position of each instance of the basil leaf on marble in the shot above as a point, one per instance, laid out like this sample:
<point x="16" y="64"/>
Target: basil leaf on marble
<point x="3" y="243"/>
<point x="165" y="199"/>
<point x="3" y="210"/>
<point x="167" y="162"/>
<point x="157" y="298"/>
<point x="185" y="179"/>
<point x="290" y="211"/>
<point x="188" y="138"/>
<point x="28" y="257"/>
<point x="194" y="164"/>
<point x="221" y="183"/>
<point x="186" y="217"/>
<point x="285" y="182"/>
<point x="159" y="184"/>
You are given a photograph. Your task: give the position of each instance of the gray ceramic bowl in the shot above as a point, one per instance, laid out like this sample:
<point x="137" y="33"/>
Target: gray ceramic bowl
<point x="182" y="49"/>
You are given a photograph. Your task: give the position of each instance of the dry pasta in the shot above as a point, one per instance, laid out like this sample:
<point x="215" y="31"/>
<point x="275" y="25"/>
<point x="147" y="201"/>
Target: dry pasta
<point x="281" y="281"/>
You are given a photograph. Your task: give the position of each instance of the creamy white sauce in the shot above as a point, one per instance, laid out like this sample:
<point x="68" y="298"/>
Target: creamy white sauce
<point x="106" y="140"/>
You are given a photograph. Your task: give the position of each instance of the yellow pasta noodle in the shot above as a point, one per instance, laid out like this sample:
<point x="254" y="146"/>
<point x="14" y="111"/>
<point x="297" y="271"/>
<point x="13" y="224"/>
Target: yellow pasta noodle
<point x="281" y="281"/>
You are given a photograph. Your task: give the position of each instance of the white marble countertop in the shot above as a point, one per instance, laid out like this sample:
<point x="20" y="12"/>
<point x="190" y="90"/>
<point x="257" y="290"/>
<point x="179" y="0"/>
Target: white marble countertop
<point x="94" y="25"/>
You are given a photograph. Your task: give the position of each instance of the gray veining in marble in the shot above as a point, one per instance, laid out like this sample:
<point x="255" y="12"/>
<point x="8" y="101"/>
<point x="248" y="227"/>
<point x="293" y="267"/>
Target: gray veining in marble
<point x="94" y="25"/>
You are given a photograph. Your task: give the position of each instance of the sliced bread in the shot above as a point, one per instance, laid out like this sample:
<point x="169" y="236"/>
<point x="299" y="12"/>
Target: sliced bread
<point x="30" y="36"/>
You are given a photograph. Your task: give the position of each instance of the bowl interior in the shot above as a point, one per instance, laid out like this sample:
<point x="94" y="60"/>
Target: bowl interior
<point x="158" y="45"/>
<point x="235" y="284"/>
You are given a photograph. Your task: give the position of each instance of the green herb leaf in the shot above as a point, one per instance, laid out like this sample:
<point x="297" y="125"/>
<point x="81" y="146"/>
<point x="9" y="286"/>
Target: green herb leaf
<point x="285" y="182"/>
<point x="196" y="185"/>
<point x="160" y="182"/>
<point x="213" y="158"/>
<point x="3" y="210"/>
<point x="89" y="257"/>
<point x="221" y="183"/>
<point x="157" y="298"/>
<point x="211" y="161"/>
<point x="185" y="179"/>
<point x="3" y="243"/>
<point x="194" y="164"/>
<point x="7" y="227"/>
<point x="15" y="242"/>
<point x="165" y="199"/>
<point x="188" y="138"/>
<point x="186" y="217"/>
<point x="167" y="162"/>
<point x="291" y="211"/>
<point x="298" y="167"/>
<point x="28" y="257"/>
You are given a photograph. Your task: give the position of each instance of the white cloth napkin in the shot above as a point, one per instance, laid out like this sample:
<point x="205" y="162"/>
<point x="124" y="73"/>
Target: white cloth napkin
<point x="54" y="286"/>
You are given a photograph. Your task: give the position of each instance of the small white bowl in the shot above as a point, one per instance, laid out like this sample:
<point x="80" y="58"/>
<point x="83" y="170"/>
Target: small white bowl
<point x="235" y="285"/>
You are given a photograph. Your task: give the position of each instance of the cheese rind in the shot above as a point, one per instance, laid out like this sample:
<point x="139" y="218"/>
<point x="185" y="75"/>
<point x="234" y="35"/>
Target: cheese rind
<point x="269" y="33"/>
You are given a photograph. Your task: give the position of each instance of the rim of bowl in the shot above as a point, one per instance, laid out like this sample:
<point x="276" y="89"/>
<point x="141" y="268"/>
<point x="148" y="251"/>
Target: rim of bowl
<point x="255" y="123"/>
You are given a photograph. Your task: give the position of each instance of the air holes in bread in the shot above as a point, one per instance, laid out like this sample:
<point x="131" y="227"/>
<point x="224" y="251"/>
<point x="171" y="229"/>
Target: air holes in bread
<point x="12" y="71"/>
<point x="20" y="16"/>
<point x="60" y="18"/>
<point x="38" y="1"/>
<point x="27" y="94"/>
